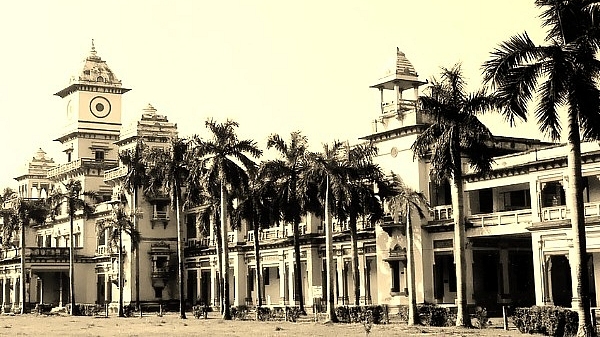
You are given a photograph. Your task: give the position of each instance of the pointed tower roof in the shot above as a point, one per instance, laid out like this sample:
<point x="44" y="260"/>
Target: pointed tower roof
<point x="94" y="73"/>
<point x="399" y="71"/>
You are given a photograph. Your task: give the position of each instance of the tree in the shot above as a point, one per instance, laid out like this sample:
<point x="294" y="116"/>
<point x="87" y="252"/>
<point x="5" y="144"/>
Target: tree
<point x="455" y="132"/>
<point x="136" y="177"/>
<point x="561" y="74"/>
<point x="225" y="159"/>
<point x="75" y="199"/>
<point x="258" y="208"/>
<point x="362" y="200"/>
<point x="401" y="201"/>
<point x="120" y="222"/>
<point x="293" y="203"/>
<point x="18" y="217"/>
<point x="329" y="171"/>
<point x="169" y="171"/>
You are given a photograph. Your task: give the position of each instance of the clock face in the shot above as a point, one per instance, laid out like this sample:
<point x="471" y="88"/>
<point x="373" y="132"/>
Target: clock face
<point x="100" y="107"/>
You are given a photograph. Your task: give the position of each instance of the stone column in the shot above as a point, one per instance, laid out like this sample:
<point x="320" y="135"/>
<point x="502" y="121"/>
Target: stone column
<point x="505" y="275"/>
<point x="362" y="270"/>
<point x="283" y="279"/>
<point x="339" y="265"/>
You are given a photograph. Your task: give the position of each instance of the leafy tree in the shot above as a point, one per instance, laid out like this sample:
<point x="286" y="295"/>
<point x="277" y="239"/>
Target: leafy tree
<point x="455" y="132"/>
<point x="18" y="217"/>
<point x="136" y="177"/>
<point x="120" y="222"/>
<point x="75" y="199"/>
<point x="224" y="159"/>
<point x="562" y="73"/>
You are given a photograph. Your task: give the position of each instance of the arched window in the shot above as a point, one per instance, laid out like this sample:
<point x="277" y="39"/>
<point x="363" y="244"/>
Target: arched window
<point x="100" y="79"/>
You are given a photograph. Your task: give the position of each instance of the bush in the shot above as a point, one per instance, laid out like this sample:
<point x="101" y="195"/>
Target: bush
<point x="240" y="312"/>
<point x="357" y="314"/>
<point x="292" y="313"/>
<point x="129" y="310"/>
<point x="264" y="314"/>
<point x="432" y="315"/>
<point x="547" y="320"/>
<point x="200" y="310"/>
<point x="85" y="309"/>
<point x="41" y="308"/>
<point x="481" y="318"/>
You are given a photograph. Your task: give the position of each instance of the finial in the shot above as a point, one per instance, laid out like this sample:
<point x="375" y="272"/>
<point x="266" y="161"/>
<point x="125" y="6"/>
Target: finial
<point x="93" y="52"/>
<point x="150" y="109"/>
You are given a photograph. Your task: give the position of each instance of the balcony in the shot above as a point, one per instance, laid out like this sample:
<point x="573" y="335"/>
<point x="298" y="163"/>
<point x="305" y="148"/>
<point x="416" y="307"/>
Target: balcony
<point x="501" y="218"/>
<point x="115" y="173"/>
<point x="160" y="273"/>
<point x="46" y="252"/>
<point x="63" y="169"/>
<point x="399" y="107"/>
<point x="443" y="212"/>
<point x="199" y="243"/>
<point x="562" y="213"/>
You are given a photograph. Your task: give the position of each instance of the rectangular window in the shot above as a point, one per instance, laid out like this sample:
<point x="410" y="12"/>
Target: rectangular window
<point x="99" y="155"/>
<point x="266" y="276"/>
<point x="48" y="241"/>
<point x="40" y="241"/>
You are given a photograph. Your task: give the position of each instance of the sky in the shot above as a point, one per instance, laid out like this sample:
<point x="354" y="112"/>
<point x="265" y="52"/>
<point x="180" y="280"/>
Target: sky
<point x="272" y="66"/>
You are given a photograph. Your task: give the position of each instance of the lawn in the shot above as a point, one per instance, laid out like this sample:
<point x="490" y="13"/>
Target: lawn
<point x="171" y="325"/>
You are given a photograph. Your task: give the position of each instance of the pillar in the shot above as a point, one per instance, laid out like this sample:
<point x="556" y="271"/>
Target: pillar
<point x="469" y="268"/>
<point x="362" y="270"/>
<point x="505" y="275"/>
<point x="60" y="289"/>
<point x="283" y="279"/>
<point x="340" y="284"/>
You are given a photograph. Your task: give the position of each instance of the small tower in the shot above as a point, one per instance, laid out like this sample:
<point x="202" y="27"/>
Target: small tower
<point x="93" y="121"/>
<point x="32" y="182"/>
<point x="397" y="108"/>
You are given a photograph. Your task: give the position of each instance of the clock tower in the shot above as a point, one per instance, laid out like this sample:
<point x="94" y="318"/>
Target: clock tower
<point x="92" y="101"/>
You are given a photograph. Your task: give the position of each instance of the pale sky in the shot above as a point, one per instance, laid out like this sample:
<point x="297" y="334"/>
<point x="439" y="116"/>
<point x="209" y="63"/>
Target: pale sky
<point x="272" y="66"/>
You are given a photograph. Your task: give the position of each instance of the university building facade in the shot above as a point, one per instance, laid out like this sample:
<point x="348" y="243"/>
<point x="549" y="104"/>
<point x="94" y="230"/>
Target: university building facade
<point x="518" y="228"/>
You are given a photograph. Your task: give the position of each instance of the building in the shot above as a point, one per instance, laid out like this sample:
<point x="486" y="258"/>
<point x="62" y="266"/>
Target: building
<point x="518" y="235"/>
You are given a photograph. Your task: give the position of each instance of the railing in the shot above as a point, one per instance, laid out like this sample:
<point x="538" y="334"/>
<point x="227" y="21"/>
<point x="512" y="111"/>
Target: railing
<point x="102" y="250"/>
<point x="562" y="213"/>
<point x="276" y="233"/>
<point x="398" y="107"/>
<point x="199" y="242"/>
<point x="160" y="272"/>
<point x="115" y="173"/>
<point x="49" y="251"/>
<point x="501" y="218"/>
<point x="76" y="164"/>
<point x="160" y="215"/>
<point x="443" y="212"/>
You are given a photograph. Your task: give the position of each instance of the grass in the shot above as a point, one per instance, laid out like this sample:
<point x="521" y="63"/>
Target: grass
<point x="171" y="325"/>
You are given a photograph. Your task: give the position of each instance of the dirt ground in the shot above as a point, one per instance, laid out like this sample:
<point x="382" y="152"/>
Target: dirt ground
<point x="171" y="325"/>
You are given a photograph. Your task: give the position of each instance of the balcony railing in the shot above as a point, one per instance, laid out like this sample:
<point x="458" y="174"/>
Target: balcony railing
<point x="562" y="213"/>
<point x="276" y="233"/>
<point x="102" y="251"/>
<point x="76" y="164"/>
<point x="50" y="251"/>
<point x="199" y="242"/>
<point x="398" y="107"/>
<point x="115" y="173"/>
<point x="443" y="212"/>
<point x="501" y="218"/>
<point x="160" y="216"/>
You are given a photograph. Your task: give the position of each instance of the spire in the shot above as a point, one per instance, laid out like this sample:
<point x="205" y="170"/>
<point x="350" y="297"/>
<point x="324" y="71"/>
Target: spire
<point x="93" y="53"/>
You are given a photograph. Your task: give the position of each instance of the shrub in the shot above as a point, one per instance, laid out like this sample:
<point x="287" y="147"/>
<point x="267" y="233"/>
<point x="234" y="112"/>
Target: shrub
<point x="200" y="310"/>
<point x="547" y="320"/>
<point x="292" y="313"/>
<point x="433" y="315"/>
<point x="240" y="312"/>
<point x="264" y="314"/>
<point x="357" y="314"/>
<point x="129" y="310"/>
<point x="481" y="318"/>
<point x="41" y="308"/>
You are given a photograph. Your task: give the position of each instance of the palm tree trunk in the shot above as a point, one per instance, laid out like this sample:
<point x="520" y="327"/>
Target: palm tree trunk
<point x="218" y="244"/>
<point x="136" y="252"/>
<point x="329" y="259"/>
<point x="180" y="252"/>
<point x="355" y="269"/>
<point x="225" y="240"/>
<point x="258" y="277"/>
<point x="121" y="314"/>
<point x="71" y="260"/>
<point x="410" y="270"/>
<point x="23" y="276"/>
<point x="298" y="293"/>
<point x="581" y="300"/>
<point x="462" y="318"/>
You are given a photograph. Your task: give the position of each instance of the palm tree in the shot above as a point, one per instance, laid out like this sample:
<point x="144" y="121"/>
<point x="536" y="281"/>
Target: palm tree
<point x="258" y="207"/>
<point x="136" y="177"/>
<point x="224" y="159"/>
<point x="362" y="200"/>
<point x="75" y="199"/>
<point x="169" y="170"/>
<point x="455" y="132"/>
<point x="562" y="73"/>
<point x="17" y="219"/>
<point x="285" y="174"/>
<point x="329" y="172"/>
<point x="120" y="222"/>
<point x="401" y="201"/>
